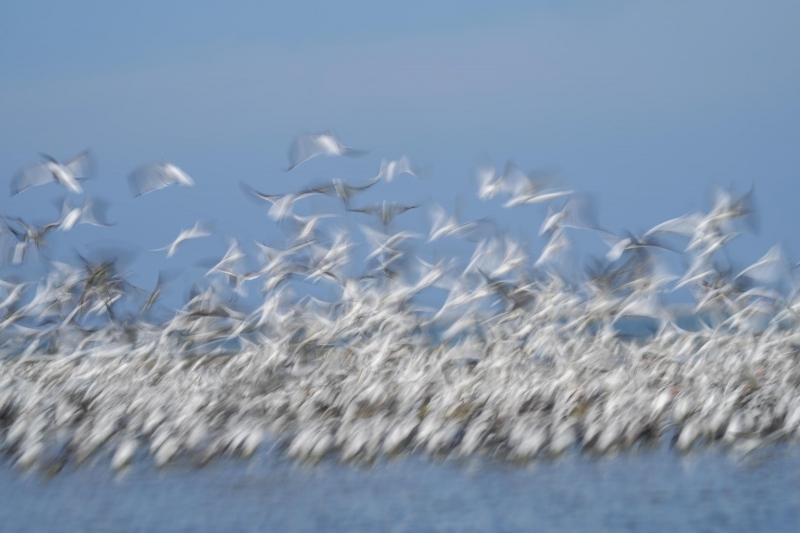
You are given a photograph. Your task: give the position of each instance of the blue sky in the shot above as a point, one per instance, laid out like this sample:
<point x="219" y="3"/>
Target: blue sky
<point x="644" y="105"/>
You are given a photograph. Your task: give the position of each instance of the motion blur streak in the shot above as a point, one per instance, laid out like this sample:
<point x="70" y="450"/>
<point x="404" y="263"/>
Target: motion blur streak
<point x="522" y="357"/>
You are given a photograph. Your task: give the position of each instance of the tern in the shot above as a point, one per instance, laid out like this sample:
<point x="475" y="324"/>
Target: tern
<point x="281" y="203"/>
<point x="391" y="169"/>
<point x="149" y="178"/>
<point x="529" y="189"/>
<point x="385" y="211"/>
<point x="342" y="190"/>
<point x="443" y="225"/>
<point x="91" y="212"/>
<point x="489" y="183"/>
<point x="66" y="174"/>
<point x="200" y="229"/>
<point x="309" y="146"/>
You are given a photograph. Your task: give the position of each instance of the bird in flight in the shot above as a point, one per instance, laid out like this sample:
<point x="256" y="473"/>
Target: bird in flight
<point x="310" y="145"/>
<point x="281" y="203"/>
<point x="385" y="211"/>
<point x="149" y="178"/>
<point x="66" y="174"/>
<point x="91" y="212"/>
<point x="200" y="229"/>
<point x="391" y="169"/>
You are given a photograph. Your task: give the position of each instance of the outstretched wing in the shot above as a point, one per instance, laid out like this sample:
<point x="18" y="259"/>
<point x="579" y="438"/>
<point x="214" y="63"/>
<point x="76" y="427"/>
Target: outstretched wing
<point x="81" y="166"/>
<point x="30" y="176"/>
<point x="303" y="148"/>
<point x="148" y="178"/>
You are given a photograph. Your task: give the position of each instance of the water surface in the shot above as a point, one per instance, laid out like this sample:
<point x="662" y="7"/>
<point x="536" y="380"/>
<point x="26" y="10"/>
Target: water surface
<point x="653" y="491"/>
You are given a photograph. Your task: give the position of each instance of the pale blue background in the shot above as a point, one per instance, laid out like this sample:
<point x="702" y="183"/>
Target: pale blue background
<point x="643" y="104"/>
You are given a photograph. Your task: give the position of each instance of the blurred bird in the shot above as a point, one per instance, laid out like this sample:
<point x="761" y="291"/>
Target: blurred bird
<point x="489" y="183"/>
<point x="344" y="191"/>
<point x="28" y="237"/>
<point x="529" y="189"/>
<point x="200" y="229"/>
<point x="149" y="178"/>
<point x="308" y="146"/>
<point x="385" y="211"/>
<point x="391" y="169"/>
<point x="576" y="213"/>
<point x="66" y="174"/>
<point x="281" y="203"/>
<point x="443" y="225"/>
<point x="91" y="212"/>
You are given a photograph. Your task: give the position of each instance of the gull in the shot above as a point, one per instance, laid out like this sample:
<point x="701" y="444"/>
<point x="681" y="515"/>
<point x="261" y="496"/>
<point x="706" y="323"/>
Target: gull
<point x="311" y="145"/>
<point x="91" y="212"/>
<point x="149" y="178"/>
<point x="200" y="229"/>
<point x="66" y="174"/>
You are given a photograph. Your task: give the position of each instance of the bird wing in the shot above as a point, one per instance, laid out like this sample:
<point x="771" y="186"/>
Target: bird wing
<point x="30" y="176"/>
<point x="148" y="178"/>
<point x="304" y="148"/>
<point x="252" y="193"/>
<point x="94" y="213"/>
<point x="685" y="225"/>
<point x="81" y="166"/>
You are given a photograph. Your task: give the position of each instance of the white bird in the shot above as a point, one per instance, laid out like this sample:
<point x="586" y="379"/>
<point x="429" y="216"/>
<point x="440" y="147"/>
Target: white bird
<point x="489" y="183"/>
<point x="66" y="174"/>
<point x="200" y="229"/>
<point x="555" y="248"/>
<point x="576" y="213"/>
<point x="149" y="178"/>
<point x="91" y="212"/>
<point x="443" y="225"/>
<point x="311" y="145"/>
<point x="771" y="268"/>
<point x="306" y="226"/>
<point x="281" y="203"/>
<point x="531" y="190"/>
<point x="391" y="169"/>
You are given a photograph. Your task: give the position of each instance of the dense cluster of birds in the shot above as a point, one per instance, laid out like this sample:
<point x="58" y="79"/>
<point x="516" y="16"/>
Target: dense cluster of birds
<point x="521" y="357"/>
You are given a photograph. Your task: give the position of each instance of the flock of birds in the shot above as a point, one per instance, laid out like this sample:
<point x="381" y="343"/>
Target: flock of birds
<point x="522" y="359"/>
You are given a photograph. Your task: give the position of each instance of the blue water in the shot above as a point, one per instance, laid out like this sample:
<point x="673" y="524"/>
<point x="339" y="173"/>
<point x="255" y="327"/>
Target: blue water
<point x="653" y="491"/>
